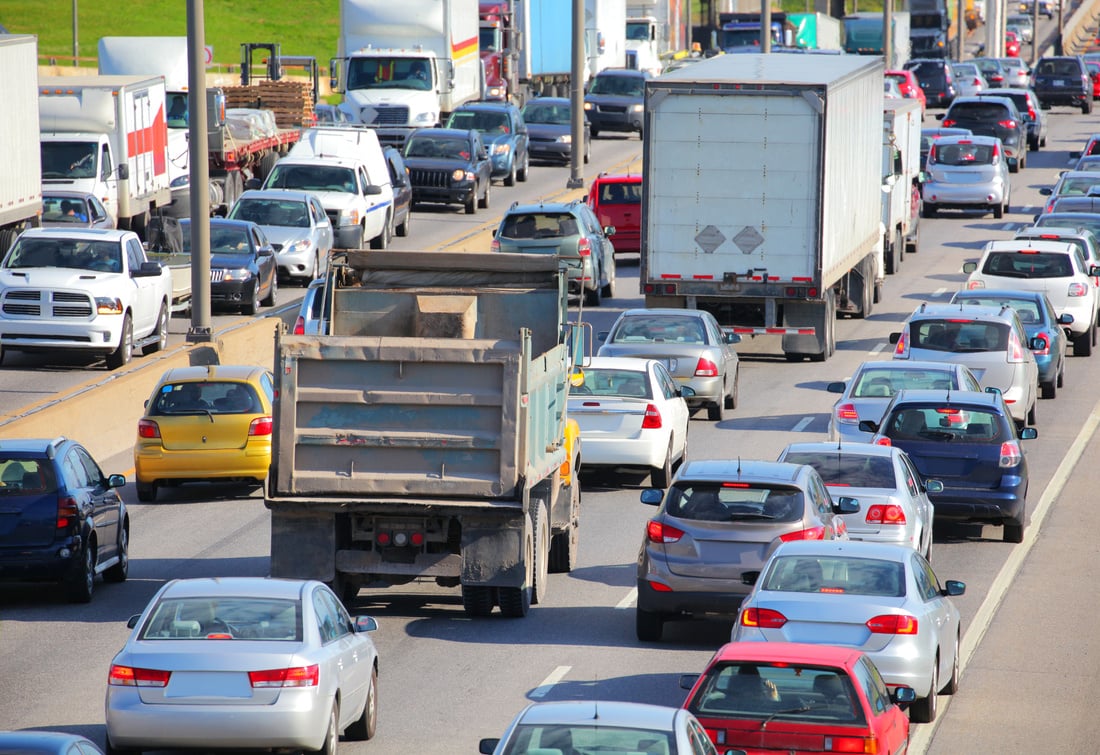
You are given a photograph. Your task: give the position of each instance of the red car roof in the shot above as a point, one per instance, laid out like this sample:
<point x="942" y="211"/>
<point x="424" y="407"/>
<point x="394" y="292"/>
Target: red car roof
<point x="788" y="652"/>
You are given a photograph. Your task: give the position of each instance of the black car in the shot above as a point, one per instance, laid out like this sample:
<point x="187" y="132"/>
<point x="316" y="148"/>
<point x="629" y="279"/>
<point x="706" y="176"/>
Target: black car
<point x="449" y="166"/>
<point x="989" y="115"/>
<point x="616" y="100"/>
<point x="549" y="129"/>
<point x="993" y="70"/>
<point x="1027" y="102"/>
<point x="243" y="269"/>
<point x="402" y="190"/>
<point x="935" y="78"/>
<point x="504" y="132"/>
<point x="1063" y="81"/>
<point x="62" y="519"/>
<point x="968" y="441"/>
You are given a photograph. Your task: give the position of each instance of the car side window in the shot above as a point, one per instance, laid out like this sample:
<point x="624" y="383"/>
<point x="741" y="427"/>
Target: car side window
<point x="820" y="495"/>
<point x="714" y="332"/>
<point x="927" y="584"/>
<point x="668" y="386"/>
<point x="268" y="388"/>
<point x="91" y="469"/>
<point x="873" y="685"/>
<point x="341" y="621"/>
<point x="912" y="477"/>
<point x="134" y="255"/>
<point x="73" y="472"/>
<point x="700" y="742"/>
<point x="326" y="621"/>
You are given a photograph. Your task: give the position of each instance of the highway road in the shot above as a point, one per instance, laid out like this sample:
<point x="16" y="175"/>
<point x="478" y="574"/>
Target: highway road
<point x="447" y="681"/>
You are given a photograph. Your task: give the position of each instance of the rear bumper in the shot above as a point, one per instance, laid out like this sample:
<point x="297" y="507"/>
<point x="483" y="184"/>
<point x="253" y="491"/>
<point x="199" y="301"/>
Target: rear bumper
<point x="627" y="452"/>
<point x="962" y="195"/>
<point x="995" y="506"/>
<point x="444" y="196"/>
<point x="1075" y="98"/>
<point x="154" y="464"/>
<point x="47" y="563"/>
<point x="724" y="600"/>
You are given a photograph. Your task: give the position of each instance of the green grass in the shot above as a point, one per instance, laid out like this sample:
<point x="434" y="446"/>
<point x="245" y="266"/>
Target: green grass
<point x="302" y="27"/>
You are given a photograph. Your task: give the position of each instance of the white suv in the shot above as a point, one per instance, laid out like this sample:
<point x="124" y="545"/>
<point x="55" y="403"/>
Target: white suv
<point x="1058" y="269"/>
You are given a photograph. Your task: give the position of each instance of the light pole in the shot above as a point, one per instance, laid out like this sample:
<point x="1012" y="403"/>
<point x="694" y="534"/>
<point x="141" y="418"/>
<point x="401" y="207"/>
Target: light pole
<point x="76" y="45"/>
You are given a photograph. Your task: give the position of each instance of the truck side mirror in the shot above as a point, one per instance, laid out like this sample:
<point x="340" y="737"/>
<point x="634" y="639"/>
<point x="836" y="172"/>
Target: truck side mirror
<point x="122" y="172"/>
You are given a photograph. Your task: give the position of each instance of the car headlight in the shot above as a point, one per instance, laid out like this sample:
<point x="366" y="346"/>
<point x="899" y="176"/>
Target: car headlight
<point x="347" y="217"/>
<point x="237" y="274"/>
<point x="298" y="247"/>
<point x="460" y="175"/>
<point x="105" y="305"/>
<point x="426" y="119"/>
<point x="637" y="108"/>
<point x="179" y="181"/>
<point x="588" y="106"/>
<point x="502" y="149"/>
<point x="565" y="139"/>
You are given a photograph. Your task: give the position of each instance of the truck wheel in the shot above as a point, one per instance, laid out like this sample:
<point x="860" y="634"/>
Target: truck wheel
<point x="382" y="240"/>
<point x="484" y="203"/>
<point x="267" y="162"/>
<point x="273" y="294"/>
<point x="515" y="602"/>
<point x="125" y="351"/>
<point x="563" y="546"/>
<point x="161" y="331"/>
<point x="540" y="525"/>
<point x="891" y="260"/>
<point x="477" y="600"/>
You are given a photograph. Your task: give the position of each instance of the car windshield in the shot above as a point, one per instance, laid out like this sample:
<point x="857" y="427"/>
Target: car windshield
<point x="438" y="147"/>
<point x="944" y="424"/>
<point x="229" y="241"/>
<point x="312" y="178"/>
<point x="659" y="329"/>
<point x="22" y="476"/>
<point x="538" y="112"/>
<point x="619" y="193"/>
<point x="849" y="470"/>
<point x="97" y="256"/>
<point x="224" y="618"/>
<point x="1028" y="264"/>
<point x="836" y="574"/>
<point x="1076" y="185"/>
<point x="214" y="397"/>
<point x="734" y="501"/>
<point x="1028" y="310"/>
<point x="280" y="212"/>
<point x="610" y="382"/>
<point x="539" y="225"/>
<point x="551" y="739"/>
<point x="885" y="382"/>
<point x="485" y="121"/>
<point x="622" y="86"/>
<point x="963" y="153"/>
<point x="959" y="336"/>
<point x="788" y="691"/>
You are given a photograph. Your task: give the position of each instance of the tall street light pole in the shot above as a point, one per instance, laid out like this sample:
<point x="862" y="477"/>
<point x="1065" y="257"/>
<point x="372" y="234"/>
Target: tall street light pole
<point x="76" y="45"/>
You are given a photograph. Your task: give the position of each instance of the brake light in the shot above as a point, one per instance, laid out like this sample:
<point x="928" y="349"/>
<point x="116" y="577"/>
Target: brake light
<point x="1015" y="349"/>
<point x="764" y="618"/>
<point x="299" y="326"/>
<point x="1007" y="124"/>
<point x="847" y="413"/>
<point x="885" y="514"/>
<point x="706" y="368"/>
<point x="658" y="532"/>
<point x="67" y="512"/>
<point x="997" y="150"/>
<point x="901" y="350"/>
<point x="300" y="676"/>
<point x="813" y="533"/>
<point x="652" y="419"/>
<point x="893" y="623"/>
<point x="494" y="245"/>
<point x="1031" y="112"/>
<point x="949" y="122"/>
<point x="260" y="426"/>
<point x="1046" y="345"/>
<point x="975" y="284"/>
<point x="861" y="745"/>
<point x="932" y="154"/>
<point x="1011" y="455"/>
<point x="1078" y="289"/>
<point x="884" y="441"/>
<point x="125" y="676"/>
<point x="977" y="82"/>
<point x="584" y="248"/>
<point x="147" y="428"/>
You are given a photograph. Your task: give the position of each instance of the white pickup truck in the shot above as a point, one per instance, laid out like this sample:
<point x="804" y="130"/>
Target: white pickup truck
<point x="89" y="290"/>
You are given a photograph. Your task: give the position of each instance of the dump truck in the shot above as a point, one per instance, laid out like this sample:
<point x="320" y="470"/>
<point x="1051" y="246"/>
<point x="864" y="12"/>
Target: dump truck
<point x="423" y="436"/>
<point x="784" y="231"/>
<point x="21" y="179"/>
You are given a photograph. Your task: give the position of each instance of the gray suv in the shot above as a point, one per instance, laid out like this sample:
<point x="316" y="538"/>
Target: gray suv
<point x="991" y="115"/>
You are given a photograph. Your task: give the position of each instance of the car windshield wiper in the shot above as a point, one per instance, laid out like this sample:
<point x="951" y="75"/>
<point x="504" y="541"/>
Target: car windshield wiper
<point x="937" y="435"/>
<point x="785" y="712"/>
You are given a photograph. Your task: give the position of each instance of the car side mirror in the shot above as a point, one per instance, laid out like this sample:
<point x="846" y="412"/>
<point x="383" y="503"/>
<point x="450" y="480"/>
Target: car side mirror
<point x="116" y="481"/>
<point x="731" y="337"/>
<point x="894" y="338"/>
<point x="993" y="389"/>
<point x="749" y="578"/>
<point x="837" y="387"/>
<point x="1094" y="270"/>
<point x="1075" y="155"/>
<point x="483" y="154"/>
<point x="686" y="391"/>
<point x="902" y="695"/>
<point x="147" y="270"/>
<point x="939" y="116"/>
<point x="687" y="681"/>
<point x="372" y="190"/>
<point x="933" y="486"/>
<point x="969" y="267"/>
<point x="954" y="587"/>
<point x="1065" y="319"/>
<point x="265" y="251"/>
<point x="609" y="230"/>
<point x="652" y="496"/>
<point x="868" y="426"/>
<point x="1046" y="191"/>
<point x="1029" y="433"/>
<point x="1037" y="344"/>
<point x="602" y="335"/>
<point x="365" y="624"/>
<point x="122" y="171"/>
<point x="846" y="505"/>
<point x="133" y="621"/>
<point x="487" y="746"/>
<point x="253" y="183"/>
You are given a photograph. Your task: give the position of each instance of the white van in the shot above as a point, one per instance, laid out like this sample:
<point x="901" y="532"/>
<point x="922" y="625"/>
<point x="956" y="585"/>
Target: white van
<point x="346" y="169"/>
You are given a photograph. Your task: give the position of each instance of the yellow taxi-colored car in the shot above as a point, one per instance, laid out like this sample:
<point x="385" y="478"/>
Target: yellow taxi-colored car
<point x="210" y="424"/>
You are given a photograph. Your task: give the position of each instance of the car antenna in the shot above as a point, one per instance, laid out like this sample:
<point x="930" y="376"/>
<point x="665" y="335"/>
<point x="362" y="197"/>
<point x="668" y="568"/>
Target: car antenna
<point x="739" y="466"/>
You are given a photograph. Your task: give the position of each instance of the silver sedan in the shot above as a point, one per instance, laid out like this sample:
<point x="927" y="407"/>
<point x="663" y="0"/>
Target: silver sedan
<point x="884" y="600"/>
<point x="296" y="225"/>
<point x="243" y="663"/>
<point x="893" y="500"/>
<point x="690" y="343"/>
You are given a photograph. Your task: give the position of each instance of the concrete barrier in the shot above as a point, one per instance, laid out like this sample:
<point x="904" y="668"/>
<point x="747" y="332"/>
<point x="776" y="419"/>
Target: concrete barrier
<point x="103" y="412"/>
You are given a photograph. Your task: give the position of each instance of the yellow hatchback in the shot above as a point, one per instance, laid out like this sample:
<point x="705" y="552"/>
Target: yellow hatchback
<point x="205" y="424"/>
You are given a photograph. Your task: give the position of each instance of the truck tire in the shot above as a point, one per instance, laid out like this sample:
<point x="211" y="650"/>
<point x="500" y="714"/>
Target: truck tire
<point x="477" y="600"/>
<point x="540" y="525"/>
<point x="125" y="351"/>
<point x="161" y="332"/>
<point x="889" y="254"/>
<point x="267" y="162"/>
<point x="563" y="546"/>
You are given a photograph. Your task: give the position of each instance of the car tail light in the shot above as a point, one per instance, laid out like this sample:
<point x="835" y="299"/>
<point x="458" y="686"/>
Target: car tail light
<point x="584" y="248"/>
<point x="126" y="676"/>
<point x="901" y="350"/>
<point x="652" y="419"/>
<point x="659" y="532"/>
<point x="1046" y="345"/>
<point x="885" y="514"/>
<point x="847" y="414"/>
<point x="998" y="77"/>
<point x="147" y="428"/>
<point x="1010" y="454"/>
<point x="1031" y="112"/>
<point x="494" y="245"/>
<point x="1007" y="123"/>
<point x="997" y="150"/>
<point x="1015" y="349"/>
<point x="883" y="441"/>
<point x="67" y="512"/>
<point x="974" y="284"/>
<point x="300" y="676"/>
<point x="861" y="745"/>
<point x="260" y="426"/>
<point x="893" y="623"/>
<point x="977" y="82"/>
<point x="1078" y="289"/>
<point x="706" y="368"/>
<point x="948" y="122"/>
<point x="813" y="533"/>
<point x="764" y="618"/>
<point x="299" y="326"/>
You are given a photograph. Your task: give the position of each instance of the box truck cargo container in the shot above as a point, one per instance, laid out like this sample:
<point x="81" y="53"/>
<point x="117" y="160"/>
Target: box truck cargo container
<point x="21" y="177"/>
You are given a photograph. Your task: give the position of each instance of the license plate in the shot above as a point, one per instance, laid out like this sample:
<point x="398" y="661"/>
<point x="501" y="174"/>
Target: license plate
<point x="1059" y="83"/>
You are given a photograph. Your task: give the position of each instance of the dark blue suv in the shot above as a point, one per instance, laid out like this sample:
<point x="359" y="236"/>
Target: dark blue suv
<point x="968" y="441"/>
<point x="61" y="519"/>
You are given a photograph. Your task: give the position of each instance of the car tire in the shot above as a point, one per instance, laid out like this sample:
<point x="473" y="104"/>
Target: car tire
<point x="273" y="294"/>
<point x="1048" y="389"/>
<point x="1033" y="144"/>
<point x="1086" y="106"/>
<point x="952" y="685"/>
<point x="648" y="625"/>
<point x="1013" y="533"/>
<point x="998" y="210"/>
<point x="923" y="709"/>
<point x="731" y="398"/>
<point x="525" y="171"/>
<point x="587" y="150"/>
<point x="1082" y="344"/>
<point x="595" y="132"/>
<point x="382" y="240"/>
<point x="716" y="411"/>
<point x="125" y="352"/>
<point x="929" y="210"/>
<point x="112" y="750"/>
<point x="121" y="569"/>
<point x="608" y="290"/>
<point x="661" y="476"/>
<point x="364" y="727"/>
<point x="332" y="733"/>
<point x="162" y="333"/>
<point x="1013" y="167"/>
<point x="1031" y="414"/>
<point x="146" y="492"/>
<point x="471" y="204"/>
<point x="510" y="179"/>
<point x="484" y="203"/>
<point x="80" y="585"/>
<point x="592" y="297"/>
<point x="253" y="304"/>
<point x="477" y="600"/>
<point x="403" y="229"/>
<point x="1061" y="375"/>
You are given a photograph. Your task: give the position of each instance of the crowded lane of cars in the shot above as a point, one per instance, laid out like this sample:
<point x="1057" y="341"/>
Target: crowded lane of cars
<point x="755" y="430"/>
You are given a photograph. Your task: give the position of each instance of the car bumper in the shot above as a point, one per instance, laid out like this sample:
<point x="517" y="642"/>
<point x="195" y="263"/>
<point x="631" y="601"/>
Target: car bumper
<point x="1049" y="97"/>
<point x="628" y="242"/>
<point x="962" y="195"/>
<point x="231" y="293"/>
<point x="693" y="595"/>
<point x="550" y="151"/>
<point x="296" y="264"/>
<point x="708" y="390"/>
<point x="47" y="563"/>
<point x="294" y="721"/>
<point x="98" y="336"/>
<point x="501" y="165"/>
<point x="615" y="121"/>
<point x="461" y="195"/>
<point x="154" y="464"/>
<point x="982" y="504"/>
<point x="647" y="451"/>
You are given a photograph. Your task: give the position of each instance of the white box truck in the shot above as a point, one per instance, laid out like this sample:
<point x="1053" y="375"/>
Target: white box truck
<point x="761" y="200"/>
<point x="605" y="34"/>
<point x="406" y="64"/>
<point x="21" y="177"/>
<point x="901" y="166"/>
<point x="107" y="135"/>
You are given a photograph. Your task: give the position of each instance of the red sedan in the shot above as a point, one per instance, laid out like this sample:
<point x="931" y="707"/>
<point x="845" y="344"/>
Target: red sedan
<point x="764" y="697"/>
<point x="1012" y="45"/>
<point x="909" y="86"/>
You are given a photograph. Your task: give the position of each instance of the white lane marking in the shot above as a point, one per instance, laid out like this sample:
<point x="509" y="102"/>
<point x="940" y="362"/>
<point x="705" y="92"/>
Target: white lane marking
<point x="939" y="291"/>
<point x="548" y="683"/>
<point x="628" y="601"/>
<point x="878" y="347"/>
<point x="802" y="424"/>
<point x="922" y="737"/>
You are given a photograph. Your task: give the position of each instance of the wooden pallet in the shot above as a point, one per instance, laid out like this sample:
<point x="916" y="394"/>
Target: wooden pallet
<point x="290" y="101"/>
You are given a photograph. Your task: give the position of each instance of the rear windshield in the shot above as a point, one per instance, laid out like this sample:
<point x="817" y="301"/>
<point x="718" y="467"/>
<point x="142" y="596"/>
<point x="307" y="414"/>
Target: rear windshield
<point x="228" y="618"/>
<point x="1029" y="265"/>
<point x="849" y="470"/>
<point x="25" y="476"/>
<point x="606" y="382"/>
<point x="851" y="576"/>
<point x="979" y="111"/>
<point x="544" y="225"/>
<point x="732" y="502"/>
<point x="1077" y="185"/>
<point x="927" y="70"/>
<point x="1028" y="311"/>
<point x="959" y="336"/>
<point x="620" y="193"/>
<point x="883" y="383"/>
<point x="659" y="329"/>
<point x="215" y="397"/>
<point x="963" y="154"/>
<point x="1064" y="67"/>
<point x="948" y="424"/>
